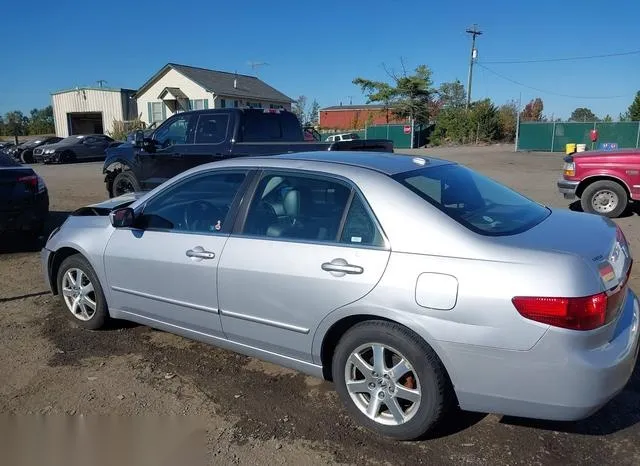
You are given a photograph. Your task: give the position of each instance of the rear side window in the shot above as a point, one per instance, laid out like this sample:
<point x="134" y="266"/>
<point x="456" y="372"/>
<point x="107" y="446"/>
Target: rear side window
<point x="212" y="129"/>
<point x="473" y="200"/>
<point x="270" y="127"/>
<point x="6" y="161"/>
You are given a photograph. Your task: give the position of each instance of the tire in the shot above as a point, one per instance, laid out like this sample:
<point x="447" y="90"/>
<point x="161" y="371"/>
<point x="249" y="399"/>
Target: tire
<point x="604" y="197"/>
<point x="124" y="182"/>
<point x="425" y="373"/>
<point x="82" y="315"/>
<point x="26" y="156"/>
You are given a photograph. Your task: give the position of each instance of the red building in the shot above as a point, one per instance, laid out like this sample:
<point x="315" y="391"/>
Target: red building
<point x="350" y="117"/>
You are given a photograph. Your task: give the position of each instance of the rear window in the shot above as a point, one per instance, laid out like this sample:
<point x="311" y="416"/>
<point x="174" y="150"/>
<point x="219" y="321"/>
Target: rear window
<point x="6" y="161"/>
<point x="473" y="200"/>
<point x="271" y="127"/>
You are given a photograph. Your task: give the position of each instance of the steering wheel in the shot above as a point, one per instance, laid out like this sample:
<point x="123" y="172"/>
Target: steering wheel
<point x="202" y="216"/>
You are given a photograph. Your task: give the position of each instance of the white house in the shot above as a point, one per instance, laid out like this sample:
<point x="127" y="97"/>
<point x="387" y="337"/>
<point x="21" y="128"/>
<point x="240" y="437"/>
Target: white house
<point x="86" y="110"/>
<point x="177" y="88"/>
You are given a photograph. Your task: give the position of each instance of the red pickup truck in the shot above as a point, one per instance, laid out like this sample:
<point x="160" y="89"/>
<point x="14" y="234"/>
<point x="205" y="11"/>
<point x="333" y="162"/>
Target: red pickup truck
<point x="605" y="182"/>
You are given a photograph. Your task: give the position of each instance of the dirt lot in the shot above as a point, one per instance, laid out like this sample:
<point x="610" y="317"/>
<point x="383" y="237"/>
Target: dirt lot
<point x="253" y="412"/>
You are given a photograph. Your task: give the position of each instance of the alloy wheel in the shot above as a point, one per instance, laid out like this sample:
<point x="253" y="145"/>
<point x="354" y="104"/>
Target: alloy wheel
<point x="383" y="384"/>
<point x="79" y="294"/>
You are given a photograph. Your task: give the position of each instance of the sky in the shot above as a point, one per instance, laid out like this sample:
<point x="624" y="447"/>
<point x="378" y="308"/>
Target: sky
<point x="317" y="49"/>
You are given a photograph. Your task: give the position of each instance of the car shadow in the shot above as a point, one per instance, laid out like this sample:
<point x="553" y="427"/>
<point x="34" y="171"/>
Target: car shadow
<point x="16" y="242"/>
<point x="621" y="413"/>
<point x="630" y="211"/>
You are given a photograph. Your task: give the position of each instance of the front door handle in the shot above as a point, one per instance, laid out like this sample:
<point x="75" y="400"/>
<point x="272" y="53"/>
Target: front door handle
<point x="342" y="267"/>
<point x="199" y="253"/>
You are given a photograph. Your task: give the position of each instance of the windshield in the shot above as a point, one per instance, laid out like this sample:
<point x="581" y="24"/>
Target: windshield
<point x="473" y="200"/>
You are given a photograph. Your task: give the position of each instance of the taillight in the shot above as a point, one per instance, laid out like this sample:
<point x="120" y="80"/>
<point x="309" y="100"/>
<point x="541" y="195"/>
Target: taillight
<point x="620" y="236"/>
<point x="31" y="181"/>
<point x="585" y="313"/>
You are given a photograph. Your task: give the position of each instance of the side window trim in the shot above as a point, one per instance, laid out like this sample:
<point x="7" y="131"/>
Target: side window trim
<point x="232" y="215"/>
<point x="227" y="115"/>
<point x="251" y="191"/>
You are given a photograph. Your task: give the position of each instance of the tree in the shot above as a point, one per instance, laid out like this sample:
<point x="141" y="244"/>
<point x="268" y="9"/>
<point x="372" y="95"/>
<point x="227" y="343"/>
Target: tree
<point x="452" y="95"/>
<point x="300" y="108"/>
<point x="408" y="95"/>
<point x="313" y="114"/>
<point x="15" y="123"/>
<point x="533" y="110"/>
<point x="41" y="121"/>
<point x="607" y="118"/>
<point x="583" y="114"/>
<point x="633" y="113"/>
<point x="484" y="120"/>
<point x="508" y="119"/>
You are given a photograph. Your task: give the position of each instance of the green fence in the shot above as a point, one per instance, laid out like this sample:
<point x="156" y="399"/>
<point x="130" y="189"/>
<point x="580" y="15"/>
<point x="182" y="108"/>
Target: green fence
<point x="553" y="137"/>
<point x="395" y="133"/>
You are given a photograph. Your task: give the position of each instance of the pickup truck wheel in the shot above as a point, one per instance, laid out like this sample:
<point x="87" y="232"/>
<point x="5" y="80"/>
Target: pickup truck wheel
<point x="604" y="197"/>
<point x="124" y="182"/>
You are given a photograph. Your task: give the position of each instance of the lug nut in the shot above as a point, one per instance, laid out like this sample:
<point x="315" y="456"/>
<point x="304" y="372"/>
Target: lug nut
<point x="372" y="385"/>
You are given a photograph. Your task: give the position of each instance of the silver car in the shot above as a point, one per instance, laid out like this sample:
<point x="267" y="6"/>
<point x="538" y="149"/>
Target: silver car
<point x="414" y="284"/>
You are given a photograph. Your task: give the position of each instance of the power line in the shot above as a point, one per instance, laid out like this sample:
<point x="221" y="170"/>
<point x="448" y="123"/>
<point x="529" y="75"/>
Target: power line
<point x="548" y="92"/>
<point x="546" y="60"/>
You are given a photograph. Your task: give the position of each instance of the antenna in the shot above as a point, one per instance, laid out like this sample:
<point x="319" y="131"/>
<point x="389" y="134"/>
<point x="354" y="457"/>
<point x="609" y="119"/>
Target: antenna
<point x="255" y="65"/>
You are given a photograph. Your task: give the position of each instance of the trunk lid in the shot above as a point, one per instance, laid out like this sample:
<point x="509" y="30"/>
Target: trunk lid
<point x="594" y="238"/>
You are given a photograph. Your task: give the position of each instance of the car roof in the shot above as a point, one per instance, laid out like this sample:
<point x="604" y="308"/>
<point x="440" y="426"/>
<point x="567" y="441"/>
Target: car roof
<point x="383" y="162"/>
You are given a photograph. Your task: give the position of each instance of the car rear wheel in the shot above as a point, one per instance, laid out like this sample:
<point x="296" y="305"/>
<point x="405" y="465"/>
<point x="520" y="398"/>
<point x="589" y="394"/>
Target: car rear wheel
<point x="390" y="380"/>
<point x="124" y="182"/>
<point x="605" y="197"/>
<point x="81" y="293"/>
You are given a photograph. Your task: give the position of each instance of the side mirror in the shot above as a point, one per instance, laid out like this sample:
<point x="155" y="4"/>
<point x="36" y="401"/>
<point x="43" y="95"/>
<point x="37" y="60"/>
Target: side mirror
<point x="122" y="218"/>
<point x="138" y="140"/>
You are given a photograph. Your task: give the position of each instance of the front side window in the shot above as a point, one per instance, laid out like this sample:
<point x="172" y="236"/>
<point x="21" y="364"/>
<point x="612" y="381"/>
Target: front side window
<point x="174" y="132"/>
<point x="212" y="129"/>
<point x="197" y="205"/>
<point x="297" y="207"/>
<point x="473" y="200"/>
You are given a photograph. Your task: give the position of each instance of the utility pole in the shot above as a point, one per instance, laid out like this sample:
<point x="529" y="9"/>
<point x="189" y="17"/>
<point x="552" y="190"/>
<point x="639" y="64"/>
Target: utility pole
<point x="474" y="31"/>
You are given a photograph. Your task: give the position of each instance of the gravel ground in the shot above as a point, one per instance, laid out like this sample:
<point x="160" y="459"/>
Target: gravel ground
<point x="244" y="411"/>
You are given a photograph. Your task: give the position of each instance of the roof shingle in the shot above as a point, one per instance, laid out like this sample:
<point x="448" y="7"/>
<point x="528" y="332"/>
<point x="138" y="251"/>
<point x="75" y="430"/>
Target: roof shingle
<point x="222" y="83"/>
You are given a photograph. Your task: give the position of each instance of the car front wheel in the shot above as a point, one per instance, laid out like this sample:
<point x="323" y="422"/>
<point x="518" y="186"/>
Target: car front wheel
<point x="390" y="380"/>
<point x="81" y="293"/>
<point x="124" y="182"/>
<point x="604" y="197"/>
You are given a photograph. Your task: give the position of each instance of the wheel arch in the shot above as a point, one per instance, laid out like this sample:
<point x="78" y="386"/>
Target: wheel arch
<point x="112" y="169"/>
<point x="55" y="261"/>
<point x="592" y="179"/>
<point x="335" y="326"/>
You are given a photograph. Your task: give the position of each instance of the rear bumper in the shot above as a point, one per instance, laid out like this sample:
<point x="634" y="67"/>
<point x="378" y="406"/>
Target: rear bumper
<point x="30" y="218"/>
<point x="568" y="188"/>
<point x="556" y="380"/>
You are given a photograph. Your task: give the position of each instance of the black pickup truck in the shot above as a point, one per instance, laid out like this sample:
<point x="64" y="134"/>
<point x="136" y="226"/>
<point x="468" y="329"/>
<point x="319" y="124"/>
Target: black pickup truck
<point x="192" y="138"/>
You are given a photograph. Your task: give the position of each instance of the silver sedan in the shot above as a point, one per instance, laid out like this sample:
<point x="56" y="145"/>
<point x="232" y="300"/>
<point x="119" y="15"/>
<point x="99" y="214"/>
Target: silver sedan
<point x="416" y="285"/>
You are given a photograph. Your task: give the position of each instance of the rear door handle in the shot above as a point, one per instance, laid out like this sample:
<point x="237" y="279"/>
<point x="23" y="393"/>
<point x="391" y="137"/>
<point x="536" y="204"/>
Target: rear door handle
<point x="199" y="253"/>
<point x="341" y="266"/>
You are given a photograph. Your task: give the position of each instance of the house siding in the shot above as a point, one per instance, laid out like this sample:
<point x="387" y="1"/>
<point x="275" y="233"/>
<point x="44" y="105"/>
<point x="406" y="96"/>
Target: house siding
<point x="110" y="103"/>
<point x="171" y="79"/>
